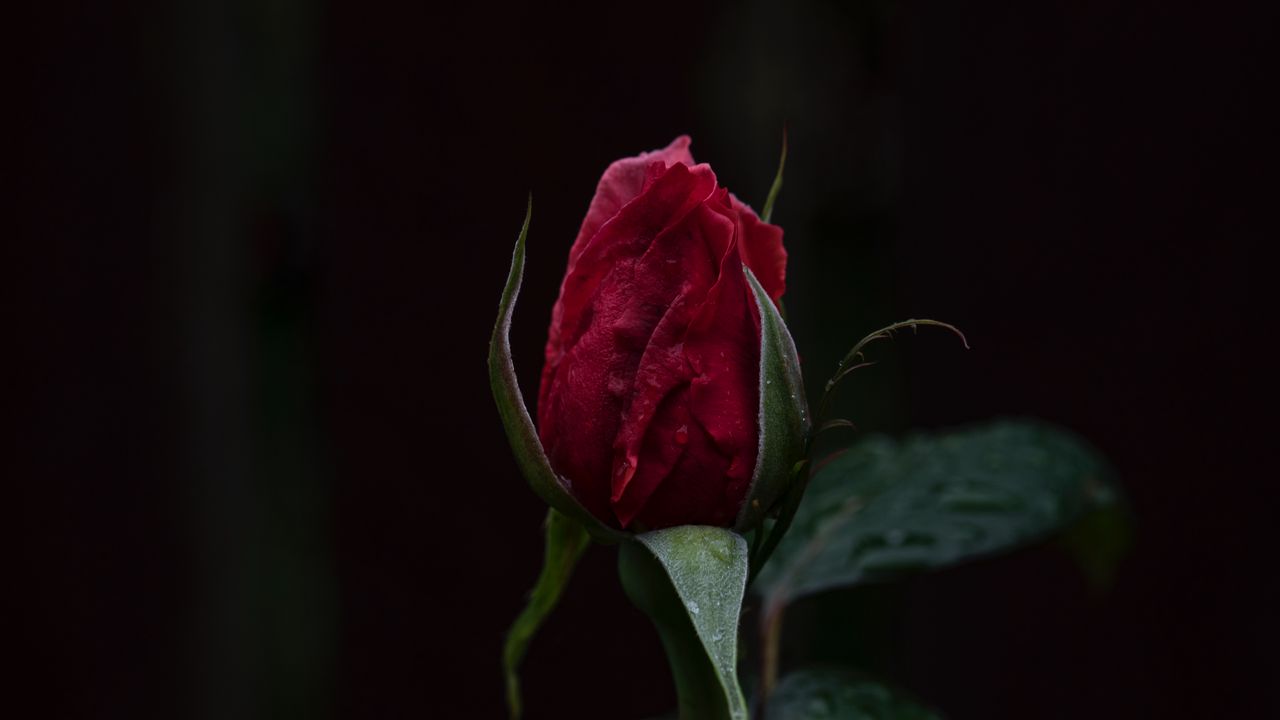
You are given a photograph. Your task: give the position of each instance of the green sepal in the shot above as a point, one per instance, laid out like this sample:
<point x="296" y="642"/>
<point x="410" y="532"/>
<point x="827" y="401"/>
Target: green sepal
<point x="768" y="541"/>
<point x="767" y="213"/>
<point x="783" y="417"/>
<point x="690" y="581"/>
<point x="566" y="540"/>
<point x="515" y="416"/>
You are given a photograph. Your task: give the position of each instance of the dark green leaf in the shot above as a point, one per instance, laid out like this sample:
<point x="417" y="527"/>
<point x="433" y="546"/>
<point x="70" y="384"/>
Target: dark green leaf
<point x="884" y="508"/>
<point x="515" y="417"/>
<point x="838" y="694"/>
<point x="565" y="542"/>
<point x="783" y="416"/>
<point x="690" y="581"/>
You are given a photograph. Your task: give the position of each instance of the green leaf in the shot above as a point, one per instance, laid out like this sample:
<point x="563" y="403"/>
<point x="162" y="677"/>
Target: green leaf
<point x="839" y="694"/>
<point x="783" y="416"/>
<point x="690" y="581"/>
<point x="566" y="541"/>
<point x="884" y="509"/>
<point x="515" y="416"/>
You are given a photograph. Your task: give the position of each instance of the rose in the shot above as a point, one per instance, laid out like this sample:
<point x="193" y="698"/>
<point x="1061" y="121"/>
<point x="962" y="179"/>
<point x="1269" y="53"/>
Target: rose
<point x="671" y="393"/>
<point x="650" y="407"/>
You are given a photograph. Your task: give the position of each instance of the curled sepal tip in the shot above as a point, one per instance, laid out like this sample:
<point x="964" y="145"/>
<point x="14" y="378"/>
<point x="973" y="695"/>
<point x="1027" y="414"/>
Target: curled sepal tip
<point x="856" y="360"/>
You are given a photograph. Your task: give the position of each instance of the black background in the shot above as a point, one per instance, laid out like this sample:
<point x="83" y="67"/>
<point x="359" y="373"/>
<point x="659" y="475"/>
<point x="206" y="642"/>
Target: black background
<point x="258" y="251"/>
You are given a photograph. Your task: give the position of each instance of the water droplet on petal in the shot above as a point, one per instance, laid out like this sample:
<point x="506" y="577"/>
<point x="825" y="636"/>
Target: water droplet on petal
<point x="682" y="434"/>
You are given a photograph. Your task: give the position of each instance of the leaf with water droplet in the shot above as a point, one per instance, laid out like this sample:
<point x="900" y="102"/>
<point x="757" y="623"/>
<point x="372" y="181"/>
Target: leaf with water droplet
<point x="841" y="694"/>
<point x="931" y="501"/>
<point x="690" y="580"/>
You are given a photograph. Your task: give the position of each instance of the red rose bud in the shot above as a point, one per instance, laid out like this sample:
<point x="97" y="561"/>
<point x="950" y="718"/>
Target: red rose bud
<point x="655" y="409"/>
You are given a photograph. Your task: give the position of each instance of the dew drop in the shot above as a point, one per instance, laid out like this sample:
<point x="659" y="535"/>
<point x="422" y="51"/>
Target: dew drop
<point x="617" y="386"/>
<point x="682" y="434"/>
<point x="693" y="607"/>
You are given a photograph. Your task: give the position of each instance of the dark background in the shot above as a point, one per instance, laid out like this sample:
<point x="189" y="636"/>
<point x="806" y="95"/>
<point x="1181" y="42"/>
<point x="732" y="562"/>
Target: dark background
<point x="258" y="252"/>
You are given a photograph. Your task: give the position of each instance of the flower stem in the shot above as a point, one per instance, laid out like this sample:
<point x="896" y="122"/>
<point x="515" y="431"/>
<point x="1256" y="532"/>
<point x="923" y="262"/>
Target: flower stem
<point x="770" y="650"/>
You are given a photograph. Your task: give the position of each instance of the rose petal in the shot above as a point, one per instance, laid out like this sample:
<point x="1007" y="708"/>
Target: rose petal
<point x="760" y="245"/>
<point x="623" y="181"/>
<point x="723" y="346"/>
<point x="683" y="259"/>
<point x="611" y="307"/>
<point x="628" y="234"/>
<point x="649" y="396"/>
<point x="620" y="184"/>
<point x="693" y="493"/>
<point x="709" y="400"/>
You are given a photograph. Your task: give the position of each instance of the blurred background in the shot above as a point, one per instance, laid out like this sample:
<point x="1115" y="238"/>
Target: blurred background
<point x="258" y="253"/>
